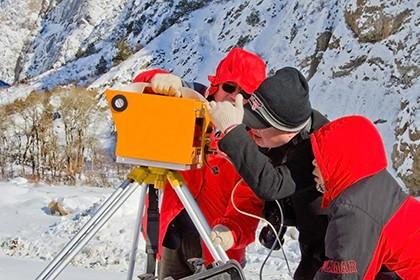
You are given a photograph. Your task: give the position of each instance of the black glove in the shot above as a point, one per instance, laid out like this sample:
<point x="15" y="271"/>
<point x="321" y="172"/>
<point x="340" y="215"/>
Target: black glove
<point x="267" y="236"/>
<point x="272" y="214"/>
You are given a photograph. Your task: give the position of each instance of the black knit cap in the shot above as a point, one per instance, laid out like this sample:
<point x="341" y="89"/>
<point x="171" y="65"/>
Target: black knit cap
<point x="281" y="101"/>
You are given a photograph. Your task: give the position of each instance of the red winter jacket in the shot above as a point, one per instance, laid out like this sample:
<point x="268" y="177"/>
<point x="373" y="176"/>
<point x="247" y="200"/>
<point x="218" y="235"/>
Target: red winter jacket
<point x="372" y="224"/>
<point x="212" y="186"/>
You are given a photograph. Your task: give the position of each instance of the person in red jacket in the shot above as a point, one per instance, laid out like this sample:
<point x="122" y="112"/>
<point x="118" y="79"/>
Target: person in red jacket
<point x="373" y="225"/>
<point x="240" y="72"/>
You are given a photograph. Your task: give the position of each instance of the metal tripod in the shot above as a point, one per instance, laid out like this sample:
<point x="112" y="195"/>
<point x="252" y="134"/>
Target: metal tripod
<point x="138" y="177"/>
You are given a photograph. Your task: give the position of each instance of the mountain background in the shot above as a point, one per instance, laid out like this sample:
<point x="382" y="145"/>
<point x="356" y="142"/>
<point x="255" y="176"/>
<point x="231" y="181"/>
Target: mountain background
<point x="361" y="57"/>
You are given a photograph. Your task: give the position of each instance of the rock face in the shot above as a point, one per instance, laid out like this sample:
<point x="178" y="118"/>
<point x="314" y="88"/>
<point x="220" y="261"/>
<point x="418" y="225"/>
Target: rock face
<point x="372" y="23"/>
<point x="18" y="22"/>
<point x="56" y="208"/>
<point x="406" y="150"/>
<point x="361" y="57"/>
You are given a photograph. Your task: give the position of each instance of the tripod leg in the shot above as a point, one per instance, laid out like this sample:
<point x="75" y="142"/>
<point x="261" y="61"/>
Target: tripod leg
<point x="88" y="231"/>
<point x="108" y="202"/>
<point x="196" y="216"/>
<point x="137" y="226"/>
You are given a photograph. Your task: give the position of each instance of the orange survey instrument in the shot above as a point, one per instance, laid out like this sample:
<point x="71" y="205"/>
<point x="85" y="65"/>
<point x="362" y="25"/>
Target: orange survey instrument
<point x="157" y="130"/>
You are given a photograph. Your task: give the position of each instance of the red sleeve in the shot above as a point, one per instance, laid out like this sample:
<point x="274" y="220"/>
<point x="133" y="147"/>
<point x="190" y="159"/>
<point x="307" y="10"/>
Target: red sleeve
<point x="146" y="76"/>
<point x="243" y="227"/>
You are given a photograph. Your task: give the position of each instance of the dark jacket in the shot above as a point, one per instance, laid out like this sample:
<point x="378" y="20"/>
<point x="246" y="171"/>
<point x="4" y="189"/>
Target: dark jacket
<point x="281" y="172"/>
<point x="373" y="224"/>
<point x="278" y="172"/>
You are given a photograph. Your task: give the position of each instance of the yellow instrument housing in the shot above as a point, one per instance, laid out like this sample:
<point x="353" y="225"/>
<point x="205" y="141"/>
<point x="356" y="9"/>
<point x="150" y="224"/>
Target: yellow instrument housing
<point x="157" y="130"/>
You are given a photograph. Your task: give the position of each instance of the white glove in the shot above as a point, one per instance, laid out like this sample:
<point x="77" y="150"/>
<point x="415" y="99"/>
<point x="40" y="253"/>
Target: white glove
<point x="168" y="84"/>
<point x="224" y="114"/>
<point x="221" y="235"/>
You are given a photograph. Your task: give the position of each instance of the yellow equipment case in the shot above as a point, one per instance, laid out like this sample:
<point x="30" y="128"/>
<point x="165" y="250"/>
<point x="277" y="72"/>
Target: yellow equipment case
<point x="157" y="130"/>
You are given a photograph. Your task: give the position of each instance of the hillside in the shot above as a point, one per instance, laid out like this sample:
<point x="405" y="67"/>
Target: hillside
<point x="362" y="57"/>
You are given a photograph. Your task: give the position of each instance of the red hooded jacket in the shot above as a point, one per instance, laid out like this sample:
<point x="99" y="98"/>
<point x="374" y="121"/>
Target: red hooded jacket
<point x="213" y="184"/>
<point x="372" y="223"/>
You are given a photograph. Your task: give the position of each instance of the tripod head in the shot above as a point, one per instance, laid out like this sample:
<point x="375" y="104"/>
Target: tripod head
<point x="157" y="130"/>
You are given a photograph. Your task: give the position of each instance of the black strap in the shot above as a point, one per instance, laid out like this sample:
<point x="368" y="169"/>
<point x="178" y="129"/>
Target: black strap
<point x="152" y="230"/>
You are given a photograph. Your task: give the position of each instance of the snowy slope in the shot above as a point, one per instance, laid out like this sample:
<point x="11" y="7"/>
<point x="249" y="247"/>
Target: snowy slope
<point x="361" y="57"/>
<point x="11" y="268"/>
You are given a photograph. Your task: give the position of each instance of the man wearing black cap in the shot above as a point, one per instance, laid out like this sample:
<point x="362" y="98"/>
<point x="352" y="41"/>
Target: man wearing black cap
<point x="275" y="157"/>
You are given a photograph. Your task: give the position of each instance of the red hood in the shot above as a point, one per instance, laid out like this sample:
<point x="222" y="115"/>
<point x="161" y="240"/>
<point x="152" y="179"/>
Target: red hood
<point x="242" y="67"/>
<point x="347" y="150"/>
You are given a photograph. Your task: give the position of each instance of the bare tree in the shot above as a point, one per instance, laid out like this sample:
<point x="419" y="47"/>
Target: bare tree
<point x="50" y="136"/>
<point x="77" y="109"/>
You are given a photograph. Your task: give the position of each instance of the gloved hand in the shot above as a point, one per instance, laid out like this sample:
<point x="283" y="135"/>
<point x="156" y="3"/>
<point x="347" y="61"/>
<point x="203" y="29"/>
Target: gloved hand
<point x="221" y="235"/>
<point x="224" y="115"/>
<point x="168" y="84"/>
<point x="267" y="237"/>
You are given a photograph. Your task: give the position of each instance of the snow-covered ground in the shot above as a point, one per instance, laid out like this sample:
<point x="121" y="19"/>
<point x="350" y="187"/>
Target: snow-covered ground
<point x="18" y="268"/>
<point x="30" y="236"/>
